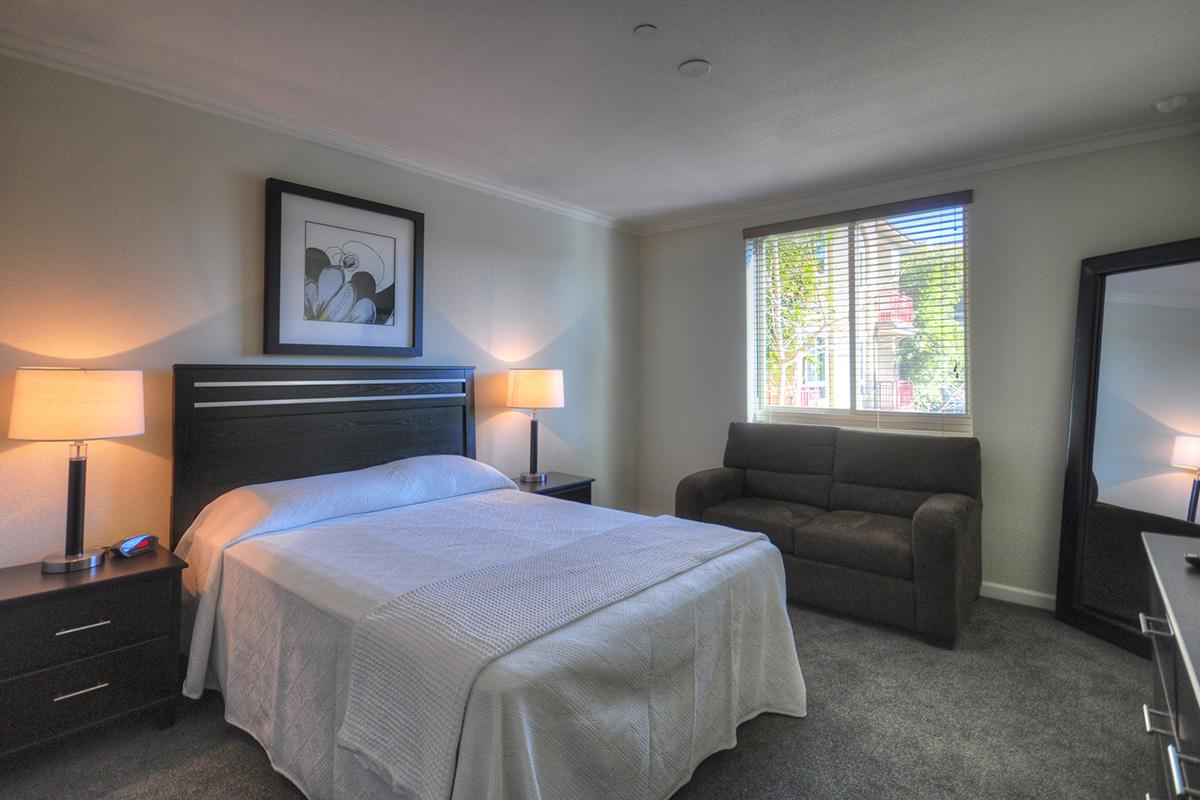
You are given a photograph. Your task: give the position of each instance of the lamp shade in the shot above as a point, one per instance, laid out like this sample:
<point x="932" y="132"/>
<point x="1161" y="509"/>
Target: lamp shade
<point x="1186" y="453"/>
<point x="73" y="405"/>
<point x="535" y="388"/>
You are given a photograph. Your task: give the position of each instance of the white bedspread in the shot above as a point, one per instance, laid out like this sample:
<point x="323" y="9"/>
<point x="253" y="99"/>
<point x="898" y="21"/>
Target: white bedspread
<point x="414" y="660"/>
<point x="623" y="703"/>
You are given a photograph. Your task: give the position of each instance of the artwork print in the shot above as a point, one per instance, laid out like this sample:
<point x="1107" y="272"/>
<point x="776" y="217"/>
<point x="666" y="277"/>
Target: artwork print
<point x="349" y="276"/>
<point x="343" y="274"/>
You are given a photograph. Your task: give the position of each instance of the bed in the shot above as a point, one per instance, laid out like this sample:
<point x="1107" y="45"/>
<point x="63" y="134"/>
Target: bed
<point x="339" y="507"/>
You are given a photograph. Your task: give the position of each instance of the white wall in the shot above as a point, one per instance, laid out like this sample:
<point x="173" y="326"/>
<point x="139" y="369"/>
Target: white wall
<point x="1149" y="392"/>
<point x="131" y="235"/>
<point x="1030" y="226"/>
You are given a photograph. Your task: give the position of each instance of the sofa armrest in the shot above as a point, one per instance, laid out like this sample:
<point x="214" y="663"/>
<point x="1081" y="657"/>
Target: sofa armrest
<point x="947" y="564"/>
<point x="705" y="489"/>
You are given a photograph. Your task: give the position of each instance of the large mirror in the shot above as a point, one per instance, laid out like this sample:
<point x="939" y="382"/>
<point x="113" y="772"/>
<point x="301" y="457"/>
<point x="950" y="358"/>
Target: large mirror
<point x="1134" y="449"/>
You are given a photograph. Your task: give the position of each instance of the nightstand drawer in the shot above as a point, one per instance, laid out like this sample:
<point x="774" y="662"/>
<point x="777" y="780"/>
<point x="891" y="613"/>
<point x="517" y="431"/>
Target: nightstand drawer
<point x="57" y="700"/>
<point x="46" y="632"/>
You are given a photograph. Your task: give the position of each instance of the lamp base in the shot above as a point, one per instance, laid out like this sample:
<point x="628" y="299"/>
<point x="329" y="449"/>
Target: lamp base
<point x="533" y="477"/>
<point x="88" y="559"/>
<point x="1191" y="515"/>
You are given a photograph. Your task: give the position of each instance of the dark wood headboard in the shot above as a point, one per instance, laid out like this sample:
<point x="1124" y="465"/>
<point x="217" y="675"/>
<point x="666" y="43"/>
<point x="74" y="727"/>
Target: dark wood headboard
<point x="242" y="424"/>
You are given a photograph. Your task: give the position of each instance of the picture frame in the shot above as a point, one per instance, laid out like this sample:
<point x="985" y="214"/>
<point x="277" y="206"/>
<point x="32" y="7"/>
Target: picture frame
<point x="343" y="274"/>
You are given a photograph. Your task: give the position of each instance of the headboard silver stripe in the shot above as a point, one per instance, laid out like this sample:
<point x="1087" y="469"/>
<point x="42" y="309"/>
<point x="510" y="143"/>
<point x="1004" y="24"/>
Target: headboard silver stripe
<point x="369" y="381"/>
<point x="291" y="401"/>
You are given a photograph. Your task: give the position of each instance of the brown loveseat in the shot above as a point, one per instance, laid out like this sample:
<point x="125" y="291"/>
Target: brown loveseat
<point x="878" y="525"/>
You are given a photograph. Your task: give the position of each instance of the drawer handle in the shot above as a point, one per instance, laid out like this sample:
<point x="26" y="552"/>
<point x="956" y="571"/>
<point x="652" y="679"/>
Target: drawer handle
<point x="1148" y="713"/>
<point x="95" y="688"/>
<point x="1175" y="761"/>
<point x="1147" y="625"/>
<point x="1176" y="770"/>
<point x="84" y="627"/>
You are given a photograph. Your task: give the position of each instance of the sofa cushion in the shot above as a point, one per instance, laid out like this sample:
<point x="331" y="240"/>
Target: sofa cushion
<point x="772" y="452"/>
<point x="776" y="518"/>
<point x="893" y="474"/>
<point x="908" y="461"/>
<point x="794" y="487"/>
<point x="877" y="500"/>
<point x="860" y="540"/>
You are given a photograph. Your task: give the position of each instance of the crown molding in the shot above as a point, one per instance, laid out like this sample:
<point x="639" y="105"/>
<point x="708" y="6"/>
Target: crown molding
<point x="47" y="54"/>
<point x="1016" y="158"/>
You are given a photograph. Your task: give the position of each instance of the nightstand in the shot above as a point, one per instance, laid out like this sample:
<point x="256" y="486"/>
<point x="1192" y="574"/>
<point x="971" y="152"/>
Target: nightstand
<point x="562" y="486"/>
<point x="83" y="648"/>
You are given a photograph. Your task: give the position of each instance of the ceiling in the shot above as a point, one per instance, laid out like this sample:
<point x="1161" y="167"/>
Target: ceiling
<point x="557" y="100"/>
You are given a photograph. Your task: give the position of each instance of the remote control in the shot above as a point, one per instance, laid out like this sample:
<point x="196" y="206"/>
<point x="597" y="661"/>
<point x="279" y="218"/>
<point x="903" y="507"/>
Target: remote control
<point x="1193" y="559"/>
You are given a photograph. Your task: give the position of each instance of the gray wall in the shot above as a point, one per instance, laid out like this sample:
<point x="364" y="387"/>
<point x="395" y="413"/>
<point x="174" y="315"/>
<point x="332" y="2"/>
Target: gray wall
<point x="132" y="233"/>
<point x="1149" y="392"/>
<point x="1030" y="226"/>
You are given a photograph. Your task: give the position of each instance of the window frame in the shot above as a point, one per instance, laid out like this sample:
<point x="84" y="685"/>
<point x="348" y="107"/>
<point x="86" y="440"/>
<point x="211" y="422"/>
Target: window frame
<point x="950" y="424"/>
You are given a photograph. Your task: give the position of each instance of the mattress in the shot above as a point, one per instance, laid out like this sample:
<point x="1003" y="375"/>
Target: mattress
<point x="624" y="702"/>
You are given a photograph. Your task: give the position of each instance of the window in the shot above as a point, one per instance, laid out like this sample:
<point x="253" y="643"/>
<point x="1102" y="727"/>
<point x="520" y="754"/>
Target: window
<point x="861" y="319"/>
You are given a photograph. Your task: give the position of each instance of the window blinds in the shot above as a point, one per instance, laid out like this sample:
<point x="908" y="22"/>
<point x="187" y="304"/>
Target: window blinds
<point x="861" y="319"/>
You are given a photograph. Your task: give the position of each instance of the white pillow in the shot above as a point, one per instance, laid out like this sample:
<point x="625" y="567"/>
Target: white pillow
<point x="270" y="507"/>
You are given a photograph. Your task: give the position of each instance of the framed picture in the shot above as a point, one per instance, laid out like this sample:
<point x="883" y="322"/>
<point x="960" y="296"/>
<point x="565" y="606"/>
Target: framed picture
<point x="343" y="274"/>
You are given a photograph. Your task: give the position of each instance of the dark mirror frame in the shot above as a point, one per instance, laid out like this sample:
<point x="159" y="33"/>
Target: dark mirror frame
<point x="1082" y="430"/>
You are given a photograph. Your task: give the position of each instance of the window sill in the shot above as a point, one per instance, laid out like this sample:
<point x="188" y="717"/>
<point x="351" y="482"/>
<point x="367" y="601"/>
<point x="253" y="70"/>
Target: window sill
<point x="895" y="421"/>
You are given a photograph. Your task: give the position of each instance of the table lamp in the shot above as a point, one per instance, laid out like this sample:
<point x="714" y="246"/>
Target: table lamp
<point x="534" y="389"/>
<point x="75" y="405"/>
<point x="1186" y="455"/>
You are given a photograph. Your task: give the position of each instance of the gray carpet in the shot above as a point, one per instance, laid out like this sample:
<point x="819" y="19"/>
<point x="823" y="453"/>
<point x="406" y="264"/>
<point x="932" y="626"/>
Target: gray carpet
<point x="1024" y="708"/>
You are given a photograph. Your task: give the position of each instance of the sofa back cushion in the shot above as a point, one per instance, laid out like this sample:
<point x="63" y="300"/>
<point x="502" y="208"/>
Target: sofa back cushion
<point x="890" y="473"/>
<point x="783" y="462"/>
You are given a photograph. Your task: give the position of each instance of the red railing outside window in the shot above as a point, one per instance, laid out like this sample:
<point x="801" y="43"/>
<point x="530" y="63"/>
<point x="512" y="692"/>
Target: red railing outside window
<point x="894" y="395"/>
